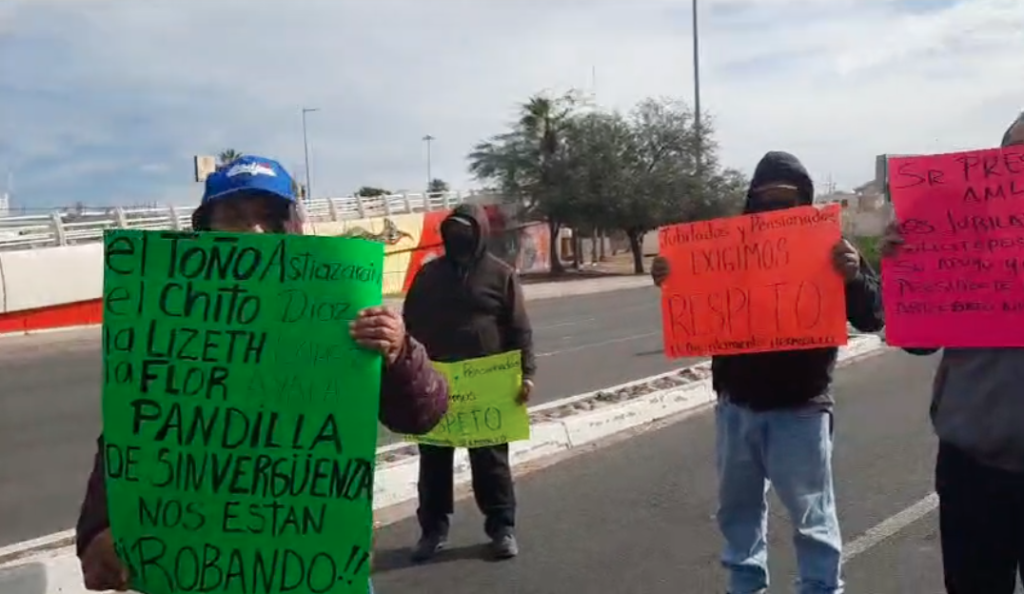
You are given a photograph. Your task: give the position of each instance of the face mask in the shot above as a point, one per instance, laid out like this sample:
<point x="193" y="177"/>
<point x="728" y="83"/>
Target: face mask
<point x="773" y="206"/>
<point x="460" y="245"/>
<point x="772" y="199"/>
<point x="757" y="206"/>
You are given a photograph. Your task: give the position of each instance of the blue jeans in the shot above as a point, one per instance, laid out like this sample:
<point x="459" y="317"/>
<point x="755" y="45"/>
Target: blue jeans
<point x="792" y="450"/>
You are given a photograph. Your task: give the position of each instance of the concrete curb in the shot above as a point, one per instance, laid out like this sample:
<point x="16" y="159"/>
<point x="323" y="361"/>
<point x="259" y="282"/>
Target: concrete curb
<point x="48" y="565"/>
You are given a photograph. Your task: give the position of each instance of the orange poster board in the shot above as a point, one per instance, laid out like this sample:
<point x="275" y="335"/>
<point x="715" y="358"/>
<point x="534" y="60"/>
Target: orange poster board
<point x="753" y="283"/>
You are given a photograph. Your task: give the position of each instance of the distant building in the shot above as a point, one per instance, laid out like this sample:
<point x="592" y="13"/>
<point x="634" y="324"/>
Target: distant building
<point x="865" y="212"/>
<point x="867" y="197"/>
<point x="842" y="198"/>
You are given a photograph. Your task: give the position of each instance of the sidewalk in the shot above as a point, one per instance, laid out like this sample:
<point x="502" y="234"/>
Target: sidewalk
<point x="637" y="517"/>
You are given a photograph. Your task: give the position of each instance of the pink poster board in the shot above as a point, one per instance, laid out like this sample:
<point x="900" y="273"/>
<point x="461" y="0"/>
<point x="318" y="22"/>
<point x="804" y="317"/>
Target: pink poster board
<point x="958" y="280"/>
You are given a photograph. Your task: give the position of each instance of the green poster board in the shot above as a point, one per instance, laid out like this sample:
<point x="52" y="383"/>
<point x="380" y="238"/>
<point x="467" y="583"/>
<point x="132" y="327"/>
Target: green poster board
<point x="240" y="419"/>
<point x="482" y="407"/>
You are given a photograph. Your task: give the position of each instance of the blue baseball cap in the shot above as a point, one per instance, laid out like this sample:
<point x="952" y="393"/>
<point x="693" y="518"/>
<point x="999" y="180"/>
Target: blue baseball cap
<point x="249" y="173"/>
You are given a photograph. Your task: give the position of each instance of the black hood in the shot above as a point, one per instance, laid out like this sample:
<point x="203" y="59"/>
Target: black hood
<point x="476" y="216"/>
<point x="1018" y="122"/>
<point x="780" y="167"/>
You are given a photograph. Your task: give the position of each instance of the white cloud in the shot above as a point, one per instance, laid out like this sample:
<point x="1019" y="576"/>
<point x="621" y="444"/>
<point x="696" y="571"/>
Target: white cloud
<point x="99" y="92"/>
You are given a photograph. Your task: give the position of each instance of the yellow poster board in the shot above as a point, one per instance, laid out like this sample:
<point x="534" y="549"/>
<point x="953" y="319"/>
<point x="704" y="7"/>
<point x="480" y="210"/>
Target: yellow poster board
<point x="482" y="407"/>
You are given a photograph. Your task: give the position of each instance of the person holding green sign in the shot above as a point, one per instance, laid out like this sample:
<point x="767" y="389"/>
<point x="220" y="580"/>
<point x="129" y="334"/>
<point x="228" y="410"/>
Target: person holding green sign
<point x="255" y="195"/>
<point x="466" y="305"/>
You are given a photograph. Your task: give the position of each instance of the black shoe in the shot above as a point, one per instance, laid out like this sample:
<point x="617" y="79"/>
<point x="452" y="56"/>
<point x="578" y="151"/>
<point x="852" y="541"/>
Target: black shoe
<point x="428" y="546"/>
<point x="504" y="546"/>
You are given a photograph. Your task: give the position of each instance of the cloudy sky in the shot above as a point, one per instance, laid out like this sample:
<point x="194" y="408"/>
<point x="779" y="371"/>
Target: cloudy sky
<point x="106" y="101"/>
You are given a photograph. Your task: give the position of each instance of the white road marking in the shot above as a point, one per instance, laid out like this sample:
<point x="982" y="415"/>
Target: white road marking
<point x="564" y="324"/>
<point x="600" y="343"/>
<point x="890" y="527"/>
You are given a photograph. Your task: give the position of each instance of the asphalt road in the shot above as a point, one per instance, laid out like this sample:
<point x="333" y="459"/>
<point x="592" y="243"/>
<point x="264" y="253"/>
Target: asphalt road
<point x="50" y="402"/>
<point x="636" y="517"/>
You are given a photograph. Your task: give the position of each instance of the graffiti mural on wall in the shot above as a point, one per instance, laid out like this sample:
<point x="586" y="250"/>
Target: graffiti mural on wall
<point x="412" y="240"/>
<point x="390" y="235"/>
<point x="534" y="249"/>
<point x="523" y="245"/>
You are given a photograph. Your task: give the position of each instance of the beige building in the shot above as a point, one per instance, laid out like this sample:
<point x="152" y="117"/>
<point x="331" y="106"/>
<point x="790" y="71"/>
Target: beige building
<point x="865" y="210"/>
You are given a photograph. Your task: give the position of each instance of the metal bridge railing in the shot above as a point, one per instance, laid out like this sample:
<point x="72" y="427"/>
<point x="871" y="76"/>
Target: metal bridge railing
<point x="60" y="228"/>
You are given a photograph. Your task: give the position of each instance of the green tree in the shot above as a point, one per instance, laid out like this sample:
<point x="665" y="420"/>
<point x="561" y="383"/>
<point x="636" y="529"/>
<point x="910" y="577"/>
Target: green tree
<point x="371" y="191"/>
<point x="638" y="172"/>
<point x="595" y="171"/>
<point x="724" y="196"/>
<point x="438" y="186"/>
<point x="655" y="175"/>
<point x="227" y="156"/>
<point x="597" y="145"/>
<point x="527" y="162"/>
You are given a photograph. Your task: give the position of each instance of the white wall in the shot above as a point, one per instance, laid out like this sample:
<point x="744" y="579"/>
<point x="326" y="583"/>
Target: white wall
<point x="51" y="276"/>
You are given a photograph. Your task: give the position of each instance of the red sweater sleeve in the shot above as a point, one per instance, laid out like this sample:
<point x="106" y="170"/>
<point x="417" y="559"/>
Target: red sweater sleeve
<point x="92" y="518"/>
<point x="413" y="395"/>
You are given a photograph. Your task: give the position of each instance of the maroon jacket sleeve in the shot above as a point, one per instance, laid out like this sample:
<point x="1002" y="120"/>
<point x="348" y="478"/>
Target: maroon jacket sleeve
<point x="92" y="518"/>
<point x="413" y="395"/>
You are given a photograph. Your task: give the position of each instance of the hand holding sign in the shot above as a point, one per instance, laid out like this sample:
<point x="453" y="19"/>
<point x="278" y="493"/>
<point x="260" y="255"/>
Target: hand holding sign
<point x="525" y="391"/>
<point x="659" y="270"/>
<point x="846" y="259"/>
<point x="380" y="329"/>
<point x="892" y="240"/>
<point x="101" y="569"/>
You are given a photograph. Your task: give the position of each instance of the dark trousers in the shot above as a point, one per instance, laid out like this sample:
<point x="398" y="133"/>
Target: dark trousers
<point x="492" y="488"/>
<point x="981" y="517"/>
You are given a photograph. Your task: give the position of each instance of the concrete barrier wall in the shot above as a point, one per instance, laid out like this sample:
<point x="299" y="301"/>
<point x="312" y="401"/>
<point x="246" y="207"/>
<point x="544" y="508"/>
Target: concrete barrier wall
<point x="62" y="286"/>
<point x="51" y="276"/>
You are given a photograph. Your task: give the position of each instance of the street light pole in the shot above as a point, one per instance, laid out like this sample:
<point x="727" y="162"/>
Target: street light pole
<point x="305" y="148"/>
<point x="430" y="178"/>
<point x="696" y="91"/>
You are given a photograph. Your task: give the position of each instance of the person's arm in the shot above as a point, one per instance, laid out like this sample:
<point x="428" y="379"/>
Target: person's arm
<point x="864" y="300"/>
<point x="518" y="332"/>
<point x="413" y="395"/>
<point x="92" y="517"/>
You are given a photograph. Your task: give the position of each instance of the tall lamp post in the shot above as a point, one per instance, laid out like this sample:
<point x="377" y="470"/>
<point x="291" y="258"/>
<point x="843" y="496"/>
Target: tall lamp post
<point x="305" y="147"/>
<point x="430" y="177"/>
<point x="696" y="92"/>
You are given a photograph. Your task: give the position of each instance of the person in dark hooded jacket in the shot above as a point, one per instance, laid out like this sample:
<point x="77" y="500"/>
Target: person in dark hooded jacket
<point x="464" y="305"/>
<point x="774" y="418"/>
<point x="978" y="415"/>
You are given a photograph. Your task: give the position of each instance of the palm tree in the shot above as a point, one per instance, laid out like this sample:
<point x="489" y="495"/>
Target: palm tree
<point x="227" y="156"/>
<point x="544" y="122"/>
<point x="526" y="161"/>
